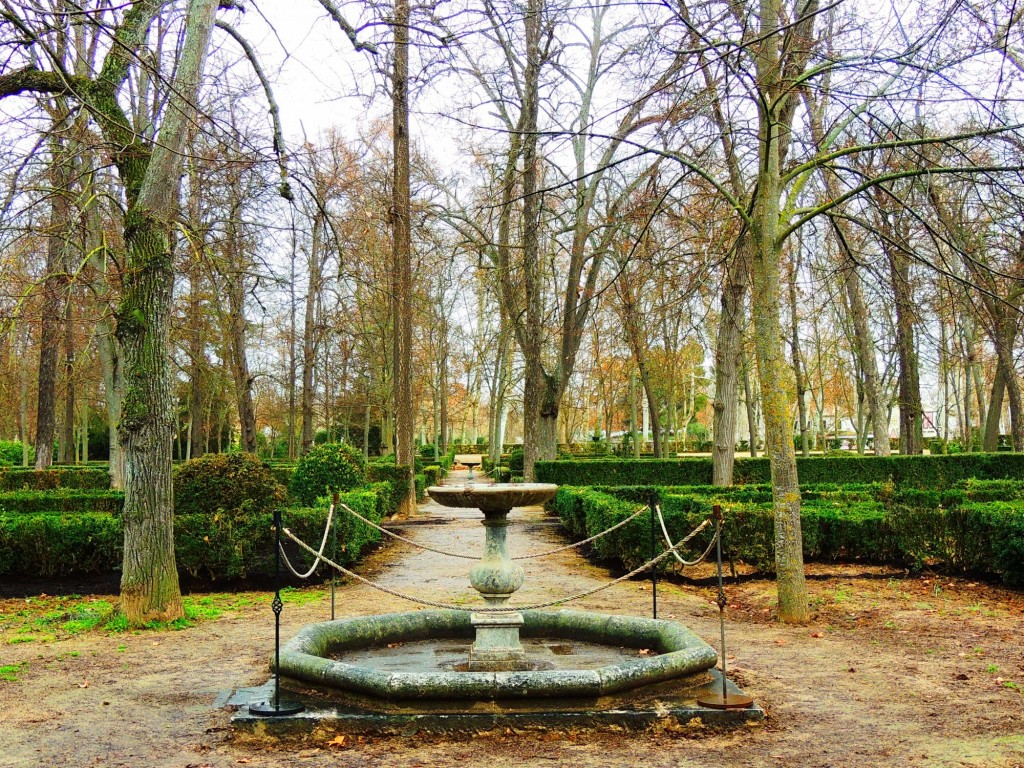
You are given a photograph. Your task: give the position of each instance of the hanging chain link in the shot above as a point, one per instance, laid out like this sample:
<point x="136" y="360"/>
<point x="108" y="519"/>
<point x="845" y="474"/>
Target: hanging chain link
<point x="668" y="540"/>
<point x="516" y="609"/>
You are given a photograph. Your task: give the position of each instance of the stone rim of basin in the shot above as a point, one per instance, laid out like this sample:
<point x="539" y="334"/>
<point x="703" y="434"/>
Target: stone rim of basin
<point x="681" y="654"/>
<point x="492" y="496"/>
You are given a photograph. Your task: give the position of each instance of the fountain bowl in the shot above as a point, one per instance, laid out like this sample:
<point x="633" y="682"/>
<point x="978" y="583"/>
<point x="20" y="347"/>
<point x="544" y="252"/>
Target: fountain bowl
<point x="497" y="496"/>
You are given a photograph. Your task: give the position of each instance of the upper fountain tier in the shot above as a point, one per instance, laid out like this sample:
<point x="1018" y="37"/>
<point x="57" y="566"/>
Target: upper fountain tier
<point x="504" y="496"/>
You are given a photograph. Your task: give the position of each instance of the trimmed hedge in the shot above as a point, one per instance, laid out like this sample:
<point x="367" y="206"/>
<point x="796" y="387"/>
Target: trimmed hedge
<point x="966" y="536"/>
<point x="917" y="471"/>
<point x="84" y="478"/>
<point x="325" y="469"/>
<point x="397" y="478"/>
<point x="218" y="545"/>
<point x="61" y="500"/>
<point x="226" y="481"/>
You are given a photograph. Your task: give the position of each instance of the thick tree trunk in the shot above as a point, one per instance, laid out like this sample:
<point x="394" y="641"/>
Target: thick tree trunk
<point x="149" y="583"/>
<point x="765" y="302"/>
<point x="149" y="580"/>
<point x="990" y="442"/>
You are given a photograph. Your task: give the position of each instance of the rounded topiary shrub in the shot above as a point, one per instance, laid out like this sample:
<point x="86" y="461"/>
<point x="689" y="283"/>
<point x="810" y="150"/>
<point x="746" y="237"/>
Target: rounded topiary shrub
<point x="226" y="481"/>
<point x="325" y="469"/>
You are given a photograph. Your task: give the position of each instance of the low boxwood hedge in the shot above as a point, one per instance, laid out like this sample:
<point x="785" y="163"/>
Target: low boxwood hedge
<point x="83" y="478"/>
<point x="61" y="500"/>
<point x="225" y="544"/>
<point x="911" y="530"/>
<point x="937" y="472"/>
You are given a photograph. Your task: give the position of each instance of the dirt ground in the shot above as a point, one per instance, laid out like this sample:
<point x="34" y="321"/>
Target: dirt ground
<point x="892" y="671"/>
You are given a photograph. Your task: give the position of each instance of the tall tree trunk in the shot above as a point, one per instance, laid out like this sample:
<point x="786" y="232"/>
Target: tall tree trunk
<point x="149" y="580"/>
<point x="773" y="129"/>
<point x="909" y="387"/>
<point x="66" y="453"/>
<point x="54" y="281"/>
<point x="310" y="334"/>
<point x="728" y="357"/>
<point x="23" y="421"/>
<point x="797" y="359"/>
<point x="990" y="442"/>
<point x="750" y="405"/>
<point x="402" y="256"/>
<point x="238" y="356"/>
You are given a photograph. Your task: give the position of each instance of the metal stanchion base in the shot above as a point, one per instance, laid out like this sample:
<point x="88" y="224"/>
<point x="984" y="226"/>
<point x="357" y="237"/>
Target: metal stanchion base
<point x="281" y="709"/>
<point x="726" y="701"/>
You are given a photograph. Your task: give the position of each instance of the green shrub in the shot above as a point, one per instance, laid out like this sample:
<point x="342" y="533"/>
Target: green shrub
<point x="17" y="479"/>
<point x="226" y="481"/>
<point x="397" y="477"/>
<point x="11" y="453"/>
<point x="421" y="487"/>
<point x="325" y="469"/>
<point x="61" y="500"/>
<point x="514" y="461"/>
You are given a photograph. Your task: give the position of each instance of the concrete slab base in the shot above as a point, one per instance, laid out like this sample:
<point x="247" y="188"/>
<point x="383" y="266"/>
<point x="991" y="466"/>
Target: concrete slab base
<point x="340" y="712"/>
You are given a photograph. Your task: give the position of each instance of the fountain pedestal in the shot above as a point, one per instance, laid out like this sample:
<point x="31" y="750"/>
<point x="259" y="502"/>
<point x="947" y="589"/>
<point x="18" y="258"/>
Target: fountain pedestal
<point x="496" y="577"/>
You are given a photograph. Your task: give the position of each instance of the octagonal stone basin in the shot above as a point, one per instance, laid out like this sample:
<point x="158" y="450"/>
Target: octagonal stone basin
<point x="677" y="654"/>
<point x="492" y="496"/>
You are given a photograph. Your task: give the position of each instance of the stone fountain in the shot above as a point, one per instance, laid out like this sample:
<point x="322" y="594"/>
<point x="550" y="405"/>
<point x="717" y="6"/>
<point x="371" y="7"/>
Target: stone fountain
<point x="389" y="672"/>
<point x="496" y="577"/>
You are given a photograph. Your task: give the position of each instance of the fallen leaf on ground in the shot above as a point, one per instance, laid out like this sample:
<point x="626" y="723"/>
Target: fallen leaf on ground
<point x="84" y="684"/>
<point x="817" y="634"/>
<point x="337" y="741"/>
<point x="780" y="641"/>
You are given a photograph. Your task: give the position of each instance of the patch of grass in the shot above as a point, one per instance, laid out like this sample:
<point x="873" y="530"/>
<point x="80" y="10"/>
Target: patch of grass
<point x="297" y="596"/>
<point x="841" y="594"/>
<point x="9" y="672"/>
<point x="992" y="668"/>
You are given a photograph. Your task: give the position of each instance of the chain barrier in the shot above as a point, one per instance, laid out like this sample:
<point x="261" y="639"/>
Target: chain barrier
<point x="319" y="555"/>
<point x="516" y="609"/>
<point x="555" y="551"/>
<point x="686" y="563"/>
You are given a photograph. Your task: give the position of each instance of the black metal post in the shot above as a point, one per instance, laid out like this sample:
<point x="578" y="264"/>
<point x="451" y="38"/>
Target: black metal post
<point x="725" y="700"/>
<point x="276" y="708"/>
<point x="654" y="553"/>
